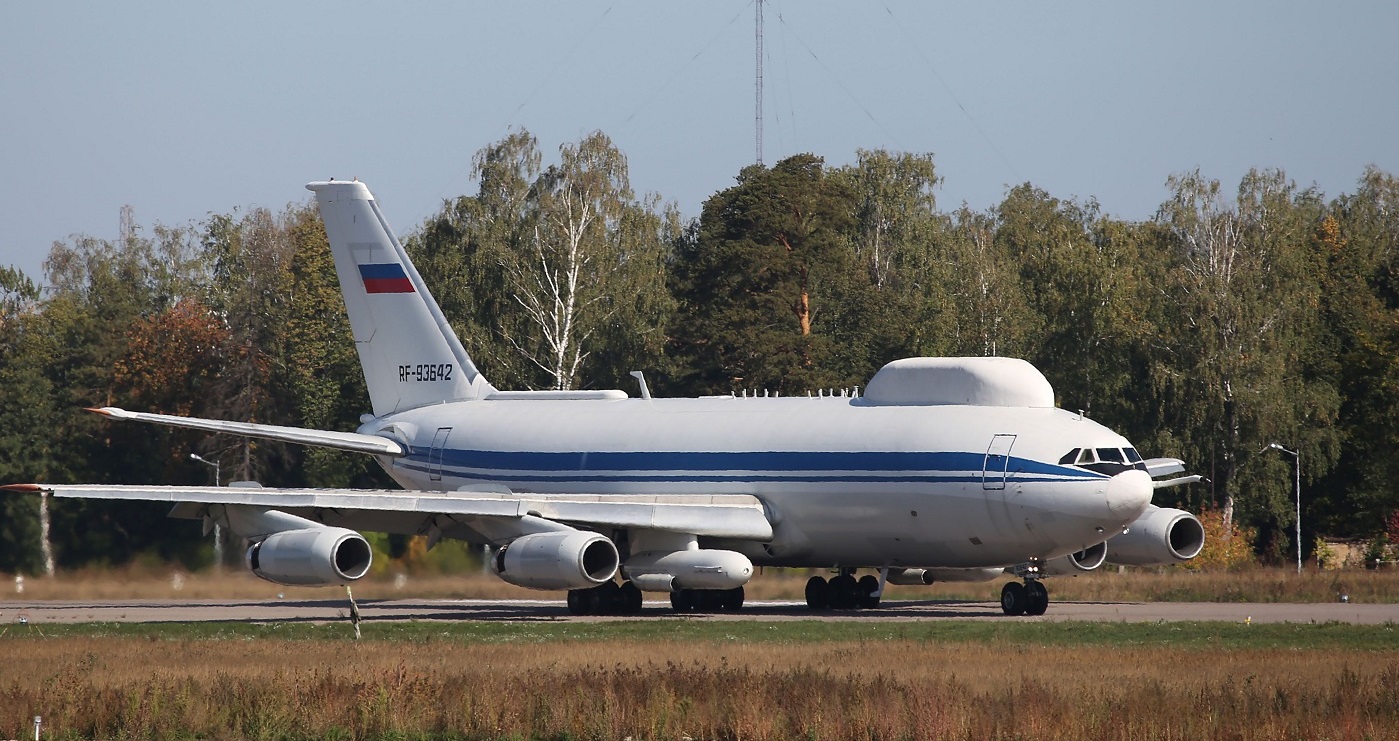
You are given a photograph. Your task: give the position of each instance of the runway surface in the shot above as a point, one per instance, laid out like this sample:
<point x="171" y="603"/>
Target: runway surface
<point x="157" y="611"/>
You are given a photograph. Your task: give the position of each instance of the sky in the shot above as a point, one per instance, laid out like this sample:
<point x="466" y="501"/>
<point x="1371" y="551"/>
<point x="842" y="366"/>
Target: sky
<point x="182" y="110"/>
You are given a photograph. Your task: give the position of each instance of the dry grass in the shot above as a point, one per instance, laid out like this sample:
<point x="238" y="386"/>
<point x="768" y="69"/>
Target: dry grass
<point x="315" y="689"/>
<point x="1134" y="585"/>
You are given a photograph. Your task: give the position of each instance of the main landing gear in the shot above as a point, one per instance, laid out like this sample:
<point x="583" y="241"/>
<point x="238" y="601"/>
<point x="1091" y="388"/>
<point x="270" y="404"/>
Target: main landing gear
<point x="1030" y="598"/>
<point x="608" y="598"/>
<point x="843" y="592"/>
<point x="707" y="600"/>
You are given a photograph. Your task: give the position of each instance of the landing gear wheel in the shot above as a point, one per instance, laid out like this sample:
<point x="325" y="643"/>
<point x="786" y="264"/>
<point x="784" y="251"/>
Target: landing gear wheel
<point x="1014" y="598"/>
<point x="607" y="598"/>
<point x="731" y="600"/>
<point x="867" y="586"/>
<point x="844" y="592"/>
<point x="818" y="593"/>
<point x="578" y="602"/>
<point x="630" y="599"/>
<point x="1037" y="598"/>
<point x="683" y="600"/>
<point x="709" y="600"/>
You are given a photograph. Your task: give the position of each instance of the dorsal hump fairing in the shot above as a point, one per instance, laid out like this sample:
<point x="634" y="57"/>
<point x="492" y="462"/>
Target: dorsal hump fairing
<point x="408" y="351"/>
<point x="996" y="382"/>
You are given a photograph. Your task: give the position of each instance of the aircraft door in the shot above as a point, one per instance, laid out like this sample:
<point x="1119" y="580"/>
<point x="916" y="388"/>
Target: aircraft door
<point x="997" y="462"/>
<point x="434" y="456"/>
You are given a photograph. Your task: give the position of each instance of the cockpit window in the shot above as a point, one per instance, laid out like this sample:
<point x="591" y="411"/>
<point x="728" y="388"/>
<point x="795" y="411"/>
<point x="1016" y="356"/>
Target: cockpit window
<point x="1110" y="455"/>
<point x="1108" y="461"/>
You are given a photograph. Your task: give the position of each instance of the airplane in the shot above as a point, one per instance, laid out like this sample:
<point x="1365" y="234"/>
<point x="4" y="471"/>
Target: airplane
<point x="941" y="469"/>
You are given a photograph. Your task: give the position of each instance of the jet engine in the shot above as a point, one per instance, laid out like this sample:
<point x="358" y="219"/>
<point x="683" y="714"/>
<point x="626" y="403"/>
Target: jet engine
<point x="312" y="557"/>
<point x="701" y="568"/>
<point x="1159" y="537"/>
<point x="1076" y="563"/>
<point x="566" y="559"/>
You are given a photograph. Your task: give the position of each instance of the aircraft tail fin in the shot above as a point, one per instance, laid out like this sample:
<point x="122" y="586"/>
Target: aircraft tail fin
<point x="410" y="355"/>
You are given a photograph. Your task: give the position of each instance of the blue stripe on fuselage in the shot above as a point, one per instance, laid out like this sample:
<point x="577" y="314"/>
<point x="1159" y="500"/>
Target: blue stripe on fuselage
<point x="734" y="466"/>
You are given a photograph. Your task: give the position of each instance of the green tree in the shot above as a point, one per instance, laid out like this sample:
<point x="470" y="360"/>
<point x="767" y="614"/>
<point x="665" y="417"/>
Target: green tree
<point x="1359" y="239"/>
<point x="26" y="411"/>
<point x="99" y="291"/>
<point x="249" y="288"/>
<point x="584" y="256"/>
<point x="555" y="275"/>
<point x="984" y="311"/>
<point x="318" y="367"/>
<point x="771" y="295"/>
<point x="897" y="235"/>
<point x="462" y="252"/>
<point x="1237" y="371"/>
<point x="1083" y="275"/>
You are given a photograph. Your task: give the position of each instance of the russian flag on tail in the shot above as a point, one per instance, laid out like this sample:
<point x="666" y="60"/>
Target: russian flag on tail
<point x="385" y="278"/>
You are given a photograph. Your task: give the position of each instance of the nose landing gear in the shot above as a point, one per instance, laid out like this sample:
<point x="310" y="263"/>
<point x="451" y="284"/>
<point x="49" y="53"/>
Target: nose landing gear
<point x="1030" y="598"/>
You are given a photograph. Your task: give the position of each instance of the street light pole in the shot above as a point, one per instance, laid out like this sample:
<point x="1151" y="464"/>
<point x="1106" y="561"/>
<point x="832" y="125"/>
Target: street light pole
<point x="218" y="531"/>
<point x="1297" y="484"/>
<point x="218" y="477"/>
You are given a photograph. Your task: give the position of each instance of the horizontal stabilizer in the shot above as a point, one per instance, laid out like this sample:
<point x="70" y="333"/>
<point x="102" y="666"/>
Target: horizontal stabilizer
<point x="1159" y="467"/>
<point x="351" y="441"/>
<point x="1181" y="481"/>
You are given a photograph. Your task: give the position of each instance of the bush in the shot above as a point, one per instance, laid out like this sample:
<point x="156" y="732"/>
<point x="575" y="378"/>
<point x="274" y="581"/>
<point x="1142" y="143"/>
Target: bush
<point x="1230" y="548"/>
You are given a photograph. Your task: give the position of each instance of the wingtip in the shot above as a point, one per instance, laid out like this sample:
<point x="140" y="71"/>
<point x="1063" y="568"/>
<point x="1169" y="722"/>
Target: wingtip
<point x="113" y="412"/>
<point x="23" y="488"/>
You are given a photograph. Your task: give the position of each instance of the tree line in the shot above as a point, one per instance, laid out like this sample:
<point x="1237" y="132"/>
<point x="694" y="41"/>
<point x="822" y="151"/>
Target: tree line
<point x="1236" y="317"/>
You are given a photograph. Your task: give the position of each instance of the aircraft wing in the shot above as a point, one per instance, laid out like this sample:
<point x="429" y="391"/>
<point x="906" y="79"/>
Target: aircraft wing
<point x="352" y="441"/>
<point x="418" y="512"/>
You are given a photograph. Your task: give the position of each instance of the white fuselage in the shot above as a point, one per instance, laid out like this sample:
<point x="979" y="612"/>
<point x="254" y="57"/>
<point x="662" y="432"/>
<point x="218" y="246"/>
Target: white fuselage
<point x="845" y="482"/>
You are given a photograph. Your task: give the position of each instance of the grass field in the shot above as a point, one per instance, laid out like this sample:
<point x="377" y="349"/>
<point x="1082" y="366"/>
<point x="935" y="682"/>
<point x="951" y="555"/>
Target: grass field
<point x="696" y="679"/>
<point x="673" y="680"/>
<point x="1133" y="585"/>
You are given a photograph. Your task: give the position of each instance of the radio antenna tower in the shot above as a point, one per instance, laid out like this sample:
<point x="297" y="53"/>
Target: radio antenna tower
<point x="758" y="80"/>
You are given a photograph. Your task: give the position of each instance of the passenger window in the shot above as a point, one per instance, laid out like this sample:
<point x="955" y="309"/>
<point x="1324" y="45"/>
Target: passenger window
<point x="1086" y="457"/>
<point x="1110" y="455"/>
<point x="1069" y="457"/>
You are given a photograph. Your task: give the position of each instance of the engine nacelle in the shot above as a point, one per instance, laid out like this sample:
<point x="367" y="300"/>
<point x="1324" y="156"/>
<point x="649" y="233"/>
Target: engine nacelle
<point x="1076" y="563"/>
<point x="1159" y="537"/>
<point x="701" y="568"/>
<point x="312" y="557"/>
<point x="567" y="559"/>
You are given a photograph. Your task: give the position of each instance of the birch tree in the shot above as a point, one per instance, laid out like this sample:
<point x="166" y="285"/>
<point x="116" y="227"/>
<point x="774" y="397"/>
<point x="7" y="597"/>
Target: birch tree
<point x="986" y="313"/>
<point x="552" y="275"/>
<point x="572" y="276"/>
<point x="896" y="216"/>
<point x="561" y="277"/>
<point x="1240" y="302"/>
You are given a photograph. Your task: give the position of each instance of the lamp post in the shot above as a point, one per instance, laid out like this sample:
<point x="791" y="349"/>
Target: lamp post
<point x="1297" y="466"/>
<point x="218" y="478"/>
<point x="218" y="532"/>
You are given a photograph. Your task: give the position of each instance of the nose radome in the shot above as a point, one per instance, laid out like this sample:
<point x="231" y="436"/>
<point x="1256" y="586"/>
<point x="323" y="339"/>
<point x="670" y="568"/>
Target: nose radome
<point x="1129" y="494"/>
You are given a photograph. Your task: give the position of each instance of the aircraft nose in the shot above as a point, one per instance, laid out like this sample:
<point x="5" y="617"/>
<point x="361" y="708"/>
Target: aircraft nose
<point x="1129" y="494"/>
